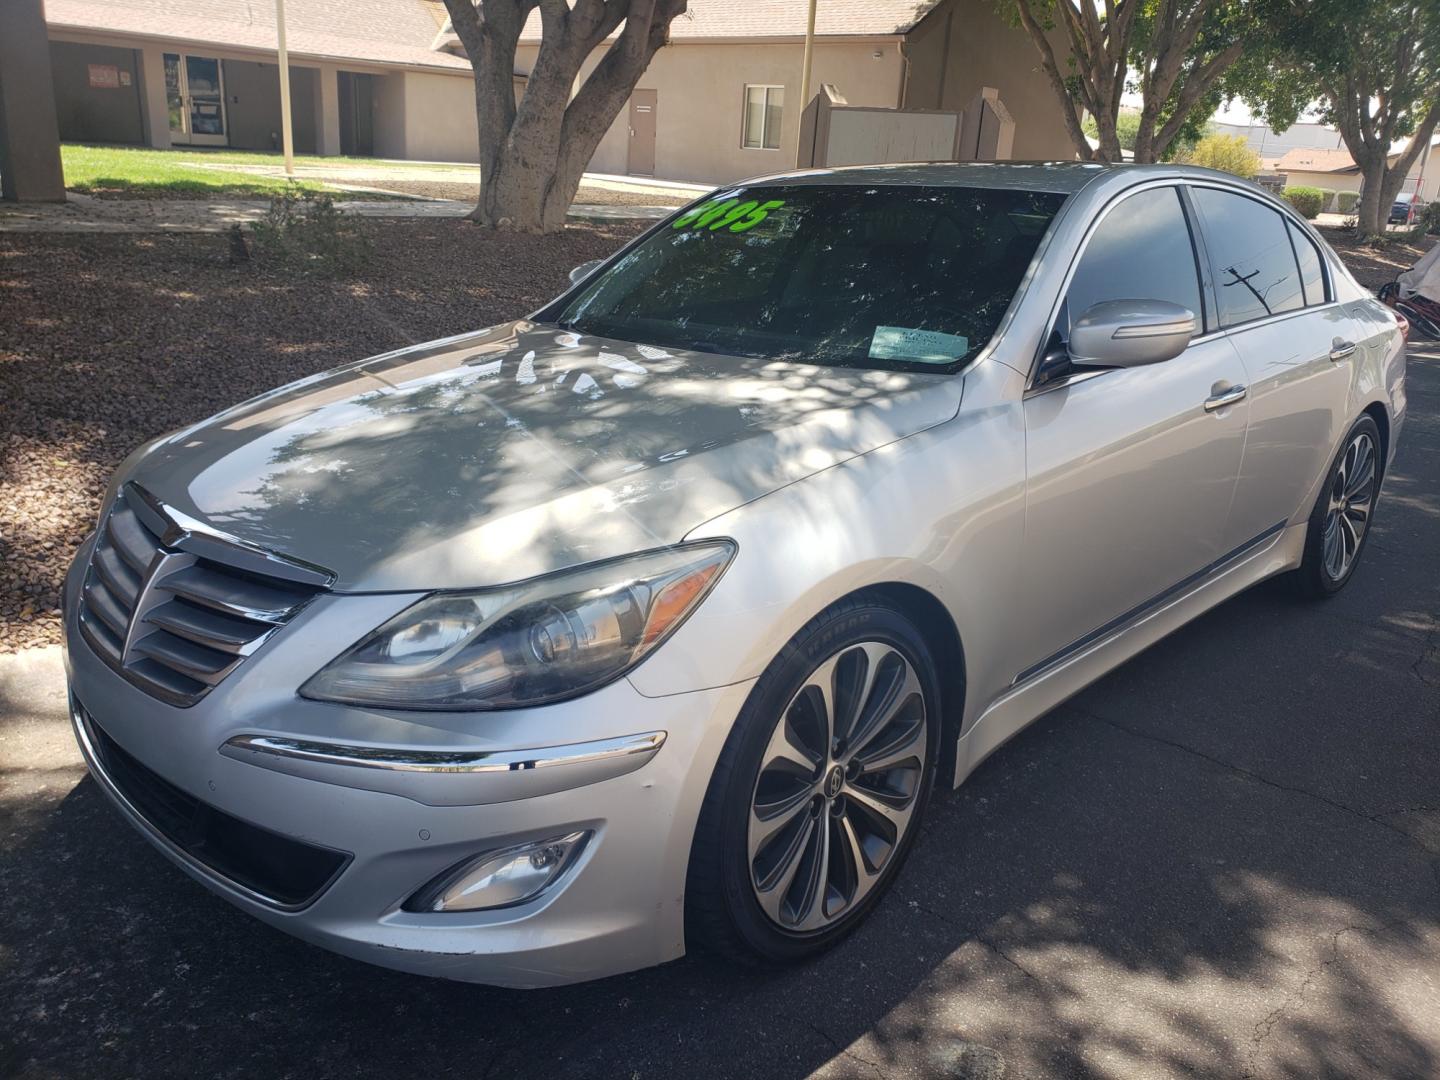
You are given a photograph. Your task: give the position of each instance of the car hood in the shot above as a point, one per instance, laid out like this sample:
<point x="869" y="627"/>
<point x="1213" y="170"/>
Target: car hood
<point x="518" y="450"/>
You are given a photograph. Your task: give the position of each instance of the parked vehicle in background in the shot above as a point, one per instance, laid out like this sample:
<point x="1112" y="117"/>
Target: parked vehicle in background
<point x="1408" y="209"/>
<point x="544" y="652"/>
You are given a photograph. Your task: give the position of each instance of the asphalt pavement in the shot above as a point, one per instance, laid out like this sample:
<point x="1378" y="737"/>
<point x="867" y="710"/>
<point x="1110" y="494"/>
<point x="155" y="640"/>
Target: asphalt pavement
<point x="1222" y="860"/>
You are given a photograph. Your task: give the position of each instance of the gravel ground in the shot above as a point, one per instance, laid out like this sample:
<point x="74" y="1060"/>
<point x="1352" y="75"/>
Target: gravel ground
<point x="1375" y="264"/>
<point x="108" y="340"/>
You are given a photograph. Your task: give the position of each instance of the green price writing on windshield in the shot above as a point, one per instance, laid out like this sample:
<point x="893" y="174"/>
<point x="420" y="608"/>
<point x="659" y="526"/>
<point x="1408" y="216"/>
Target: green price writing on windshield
<point x="735" y="214"/>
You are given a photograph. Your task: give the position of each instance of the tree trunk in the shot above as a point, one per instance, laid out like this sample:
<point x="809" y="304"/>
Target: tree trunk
<point x="1380" y="187"/>
<point x="532" y="156"/>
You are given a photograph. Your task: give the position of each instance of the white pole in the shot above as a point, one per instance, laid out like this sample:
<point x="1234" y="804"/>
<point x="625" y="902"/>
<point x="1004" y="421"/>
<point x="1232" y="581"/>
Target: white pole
<point x="809" y="54"/>
<point x="285" y="136"/>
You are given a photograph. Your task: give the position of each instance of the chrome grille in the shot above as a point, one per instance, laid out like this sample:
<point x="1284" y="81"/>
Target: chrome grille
<point x="175" y="610"/>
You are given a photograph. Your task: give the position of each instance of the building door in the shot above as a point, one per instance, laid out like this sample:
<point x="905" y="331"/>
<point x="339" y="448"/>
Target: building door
<point x="195" y="99"/>
<point x="642" y="133"/>
<point x="357" y="125"/>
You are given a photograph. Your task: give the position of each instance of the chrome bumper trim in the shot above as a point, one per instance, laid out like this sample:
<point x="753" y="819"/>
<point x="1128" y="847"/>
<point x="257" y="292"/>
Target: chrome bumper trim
<point x="452" y="775"/>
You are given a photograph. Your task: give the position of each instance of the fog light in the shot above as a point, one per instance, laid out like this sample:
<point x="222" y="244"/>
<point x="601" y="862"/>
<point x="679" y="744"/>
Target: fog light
<point x="502" y="878"/>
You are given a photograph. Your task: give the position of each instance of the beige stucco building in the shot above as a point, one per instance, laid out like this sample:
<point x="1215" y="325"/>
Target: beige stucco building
<point x="387" y="78"/>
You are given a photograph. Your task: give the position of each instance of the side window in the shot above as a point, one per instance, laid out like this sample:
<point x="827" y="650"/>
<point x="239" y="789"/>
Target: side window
<point x="1140" y="251"/>
<point x="1255" y="270"/>
<point x="1312" y="277"/>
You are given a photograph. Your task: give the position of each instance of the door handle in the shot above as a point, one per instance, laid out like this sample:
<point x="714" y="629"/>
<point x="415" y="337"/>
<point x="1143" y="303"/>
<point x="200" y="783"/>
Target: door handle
<point x="1225" y="397"/>
<point x="1340" y="349"/>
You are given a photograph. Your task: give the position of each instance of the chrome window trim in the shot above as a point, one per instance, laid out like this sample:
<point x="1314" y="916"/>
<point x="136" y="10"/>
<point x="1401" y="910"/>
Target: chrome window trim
<point x="1286" y="212"/>
<point x="1059" y="300"/>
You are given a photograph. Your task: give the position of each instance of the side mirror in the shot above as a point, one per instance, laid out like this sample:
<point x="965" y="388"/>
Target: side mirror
<point x="584" y="270"/>
<point x="1130" y="333"/>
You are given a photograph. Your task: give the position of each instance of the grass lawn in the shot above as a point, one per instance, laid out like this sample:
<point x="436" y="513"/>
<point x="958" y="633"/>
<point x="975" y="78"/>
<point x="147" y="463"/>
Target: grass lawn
<point x="138" y="172"/>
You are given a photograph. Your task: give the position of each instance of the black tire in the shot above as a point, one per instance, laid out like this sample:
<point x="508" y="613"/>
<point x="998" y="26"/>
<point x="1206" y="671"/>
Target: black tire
<point x="1315" y="578"/>
<point x="723" y="913"/>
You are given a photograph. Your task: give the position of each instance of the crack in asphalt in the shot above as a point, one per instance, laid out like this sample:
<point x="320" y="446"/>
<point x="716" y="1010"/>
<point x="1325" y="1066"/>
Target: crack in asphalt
<point x="1267" y="1025"/>
<point x="840" y="1048"/>
<point x="1375" y="819"/>
<point x="1429" y="651"/>
<point x="972" y="934"/>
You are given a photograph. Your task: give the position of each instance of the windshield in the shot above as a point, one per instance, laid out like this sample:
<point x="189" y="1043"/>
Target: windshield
<point x="897" y="276"/>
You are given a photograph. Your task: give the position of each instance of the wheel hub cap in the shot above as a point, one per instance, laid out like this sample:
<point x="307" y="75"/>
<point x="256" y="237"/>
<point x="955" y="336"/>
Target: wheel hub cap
<point x="853" y="742"/>
<point x="1352" y="500"/>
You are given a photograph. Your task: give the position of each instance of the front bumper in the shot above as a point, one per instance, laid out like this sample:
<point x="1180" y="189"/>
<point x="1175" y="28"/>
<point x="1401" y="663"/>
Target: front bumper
<point x="618" y="908"/>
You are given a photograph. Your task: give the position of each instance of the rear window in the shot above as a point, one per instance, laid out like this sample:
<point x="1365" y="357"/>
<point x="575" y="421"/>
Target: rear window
<point x="1256" y="274"/>
<point x="901" y="277"/>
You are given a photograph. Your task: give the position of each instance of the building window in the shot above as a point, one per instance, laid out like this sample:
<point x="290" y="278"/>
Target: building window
<point x="763" y="108"/>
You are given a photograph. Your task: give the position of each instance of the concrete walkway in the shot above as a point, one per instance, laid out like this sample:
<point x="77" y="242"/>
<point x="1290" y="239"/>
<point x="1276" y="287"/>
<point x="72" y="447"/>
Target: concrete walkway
<point x="86" y="214"/>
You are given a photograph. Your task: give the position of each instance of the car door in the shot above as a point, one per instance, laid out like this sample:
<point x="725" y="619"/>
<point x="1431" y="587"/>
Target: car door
<point x="1298" y="348"/>
<point x="1129" y="474"/>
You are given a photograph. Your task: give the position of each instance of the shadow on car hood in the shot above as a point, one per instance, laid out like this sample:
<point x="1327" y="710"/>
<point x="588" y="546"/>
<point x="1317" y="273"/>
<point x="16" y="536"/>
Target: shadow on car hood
<point x="521" y="449"/>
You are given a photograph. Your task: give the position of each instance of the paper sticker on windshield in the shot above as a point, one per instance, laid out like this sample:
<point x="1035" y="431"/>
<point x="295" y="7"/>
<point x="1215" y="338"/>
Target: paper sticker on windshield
<point x="917" y="346"/>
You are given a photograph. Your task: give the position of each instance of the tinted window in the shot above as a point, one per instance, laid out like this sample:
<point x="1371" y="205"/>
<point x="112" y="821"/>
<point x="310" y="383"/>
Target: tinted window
<point x="1255" y="271"/>
<point x="1311" y="276"/>
<point x="1140" y="251"/>
<point x="847" y="275"/>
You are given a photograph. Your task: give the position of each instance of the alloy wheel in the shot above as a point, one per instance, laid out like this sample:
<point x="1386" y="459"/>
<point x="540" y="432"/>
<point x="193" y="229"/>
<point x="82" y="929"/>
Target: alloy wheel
<point x="1352" y="500"/>
<point x="838" y="785"/>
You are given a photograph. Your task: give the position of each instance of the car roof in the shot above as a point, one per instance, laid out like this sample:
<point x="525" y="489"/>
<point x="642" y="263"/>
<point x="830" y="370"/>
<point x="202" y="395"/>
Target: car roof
<point x="1058" y="177"/>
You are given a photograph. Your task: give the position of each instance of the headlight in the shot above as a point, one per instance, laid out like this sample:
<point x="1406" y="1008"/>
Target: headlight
<point x="527" y="644"/>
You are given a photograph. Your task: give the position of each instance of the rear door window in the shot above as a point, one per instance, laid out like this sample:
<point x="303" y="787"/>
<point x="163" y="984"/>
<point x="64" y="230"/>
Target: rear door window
<point x="1254" y="266"/>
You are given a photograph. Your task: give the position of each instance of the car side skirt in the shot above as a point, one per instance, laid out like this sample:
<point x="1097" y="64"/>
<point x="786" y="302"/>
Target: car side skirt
<point x="1044" y="686"/>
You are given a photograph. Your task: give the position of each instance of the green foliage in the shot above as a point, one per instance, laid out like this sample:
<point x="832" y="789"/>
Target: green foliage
<point x="1228" y="153"/>
<point x="1308" y="201"/>
<point x="1346" y="201"/>
<point x="1430" y="218"/>
<point x="303" y="232"/>
<point x="1127" y="126"/>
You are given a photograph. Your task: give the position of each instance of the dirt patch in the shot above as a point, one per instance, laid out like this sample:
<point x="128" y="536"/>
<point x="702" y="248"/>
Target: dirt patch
<point x="590" y="194"/>
<point x="112" y="339"/>
<point x="1375" y="264"/>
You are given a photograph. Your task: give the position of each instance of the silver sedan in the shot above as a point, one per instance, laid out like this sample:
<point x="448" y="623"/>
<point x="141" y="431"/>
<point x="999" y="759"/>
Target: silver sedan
<point x="651" y="621"/>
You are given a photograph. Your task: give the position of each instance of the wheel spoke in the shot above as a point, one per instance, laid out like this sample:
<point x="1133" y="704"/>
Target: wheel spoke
<point x="822" y="683"/>
<point x="1333" y="546"/>
<point x="895" y="815"/>
<point x="785" y="748"/>
<point x="1363" y="469"/>
<point x="777" y="885"/>
<point x="908" y="745"/>
<point x="1349" y="535"/>
<point x="767" y="820"/>
<point x="810" y="911"/>
<point x="893" y="697"/>
<point x="865" y="878"/>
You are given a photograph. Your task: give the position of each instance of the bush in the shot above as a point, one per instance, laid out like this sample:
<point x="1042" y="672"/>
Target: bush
<point x="1430" y="218"/>
<point x="1327" y="198"/>
<point x="1308" y="201"/>
<point x="1348" y="200"/>
<point x="305" y="233"/>
<point x="1228" y="153"/>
